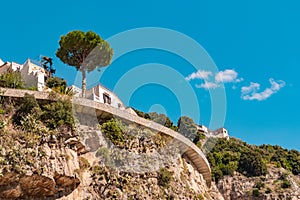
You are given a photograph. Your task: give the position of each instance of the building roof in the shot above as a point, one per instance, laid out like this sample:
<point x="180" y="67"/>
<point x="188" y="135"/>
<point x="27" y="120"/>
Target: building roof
<point x="1" y="62"/>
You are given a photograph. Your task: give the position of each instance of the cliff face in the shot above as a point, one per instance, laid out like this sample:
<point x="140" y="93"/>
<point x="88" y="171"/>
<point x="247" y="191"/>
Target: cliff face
<point x="105" y="169"/>
<point x="114" y="161"/>
<point x="277" y="184"/>
<point x="70" y="170"/>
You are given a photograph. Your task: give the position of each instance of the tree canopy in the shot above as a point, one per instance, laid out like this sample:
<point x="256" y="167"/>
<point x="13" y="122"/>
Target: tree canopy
<point x="84" y="50"/>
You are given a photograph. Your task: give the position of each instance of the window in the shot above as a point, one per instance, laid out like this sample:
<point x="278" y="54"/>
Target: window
<point x="106" y="98"/>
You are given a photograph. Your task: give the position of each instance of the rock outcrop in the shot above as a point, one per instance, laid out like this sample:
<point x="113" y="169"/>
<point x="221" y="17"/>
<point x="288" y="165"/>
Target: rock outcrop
<point x="269" y="187"/>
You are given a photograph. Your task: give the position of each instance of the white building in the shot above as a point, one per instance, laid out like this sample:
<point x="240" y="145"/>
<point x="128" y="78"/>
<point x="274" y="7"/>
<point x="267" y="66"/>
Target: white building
<point x="76" y="90"/>
<point x="32" y="74"/>
<point x="103" y="95"/>
<point x="221" y="133"/>
<point x="202" y="128"/>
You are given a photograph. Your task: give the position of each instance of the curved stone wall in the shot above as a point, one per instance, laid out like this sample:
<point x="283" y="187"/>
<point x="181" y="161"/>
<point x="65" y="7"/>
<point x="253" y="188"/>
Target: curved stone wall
<point x="188" y="148"/>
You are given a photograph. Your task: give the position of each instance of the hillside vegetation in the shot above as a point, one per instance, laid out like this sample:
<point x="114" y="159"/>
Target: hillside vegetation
<point x="233" y="155"/>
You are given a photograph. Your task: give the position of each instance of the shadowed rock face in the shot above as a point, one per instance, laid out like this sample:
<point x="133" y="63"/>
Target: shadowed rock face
<point x="14" y="186"/>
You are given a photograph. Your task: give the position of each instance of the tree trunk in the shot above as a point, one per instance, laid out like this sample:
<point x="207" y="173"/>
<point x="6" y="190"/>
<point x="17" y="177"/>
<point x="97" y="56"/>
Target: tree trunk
<point x="83" y="83"/>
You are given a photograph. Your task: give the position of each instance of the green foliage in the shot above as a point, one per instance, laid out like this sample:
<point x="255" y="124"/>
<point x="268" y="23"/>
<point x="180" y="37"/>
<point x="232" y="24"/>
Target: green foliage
<point x="158" y="118"/>
<point x="251" y="160"/>
<point x="251" y="164"/>
<point x="31" y="124"/>
<point x="268" y="190"/>
<point x="288" y="159"/>
<point x="161" y="119"/>
<point x="58" y="113"/>
<point x="286" y="184"/>
<point x="259" y="185"/>
<point x="2" y="124"/>
<point x="142" y="114"/>
<point x="11" y="80"/>
<point x="217" y="173"/>
<point x="76" y="46"/>
<point x="85" y="51"/>
<point x="114" y="130"/>
<point x="164" y="177"/>
<point x="27" y="105"/>
<point x="224" y="163"/>
<point x="235" y="155"/>
<point x="96" y="169"/>
<point x="200" y="197"/>
<point x="57" y="84"/>
<point x="33" y="88"/>
<point x="255" y="192"/>
<point x="2" y="100"/>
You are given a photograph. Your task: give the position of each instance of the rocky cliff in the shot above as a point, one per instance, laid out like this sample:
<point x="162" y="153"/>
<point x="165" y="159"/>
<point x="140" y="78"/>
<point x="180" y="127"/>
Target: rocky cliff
<point x="46" y="154"/>
<point x="277" y="184"/>
<point x="69" y="169"/>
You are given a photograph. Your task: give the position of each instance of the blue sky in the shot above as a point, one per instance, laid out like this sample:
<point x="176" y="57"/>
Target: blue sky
<point x="254" y="45"/>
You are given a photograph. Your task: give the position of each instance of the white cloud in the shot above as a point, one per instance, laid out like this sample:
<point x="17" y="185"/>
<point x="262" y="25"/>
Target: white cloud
<point x="207" y="85"/>
<point x="253" y="87"/>
<point x="250" y="92"/>
<point x="215" y="80"/>
<point x="200" y="74"/>
<point x="227" y="76"/>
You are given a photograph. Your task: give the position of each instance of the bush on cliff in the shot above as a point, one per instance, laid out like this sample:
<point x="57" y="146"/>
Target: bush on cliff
<point x="11" y="80"/>
<point x="58" y="113"/>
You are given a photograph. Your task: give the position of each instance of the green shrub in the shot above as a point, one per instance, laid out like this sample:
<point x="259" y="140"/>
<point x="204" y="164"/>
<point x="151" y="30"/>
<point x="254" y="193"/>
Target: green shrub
<point x="58" y="113"/>
<point x="114" y="130"/>
<point x="227" y="156"/>
<point x="158" y="118"/>
<point x="27" y="105"/>
<point x="2" y="124"/>
<point x="200" y="197"/>
<point x="164" y="177"/>
<point x="268" y="190"/>
<point x="251" y="164"/>
<point x="29" y="123"/>
<point x="57" y="84"/>
<point x="286" y="184"/>
<point x="161" y="119"/>
<point x="33" y="88"/>
<point x="288" y="159"/>
<point x="11" y="80"/>
<point x="255" y="192"/>
<point x="217" y="174"/>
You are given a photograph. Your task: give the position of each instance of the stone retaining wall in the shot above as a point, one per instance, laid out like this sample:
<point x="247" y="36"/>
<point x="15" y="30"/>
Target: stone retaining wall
<point x="189" y="149"/>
